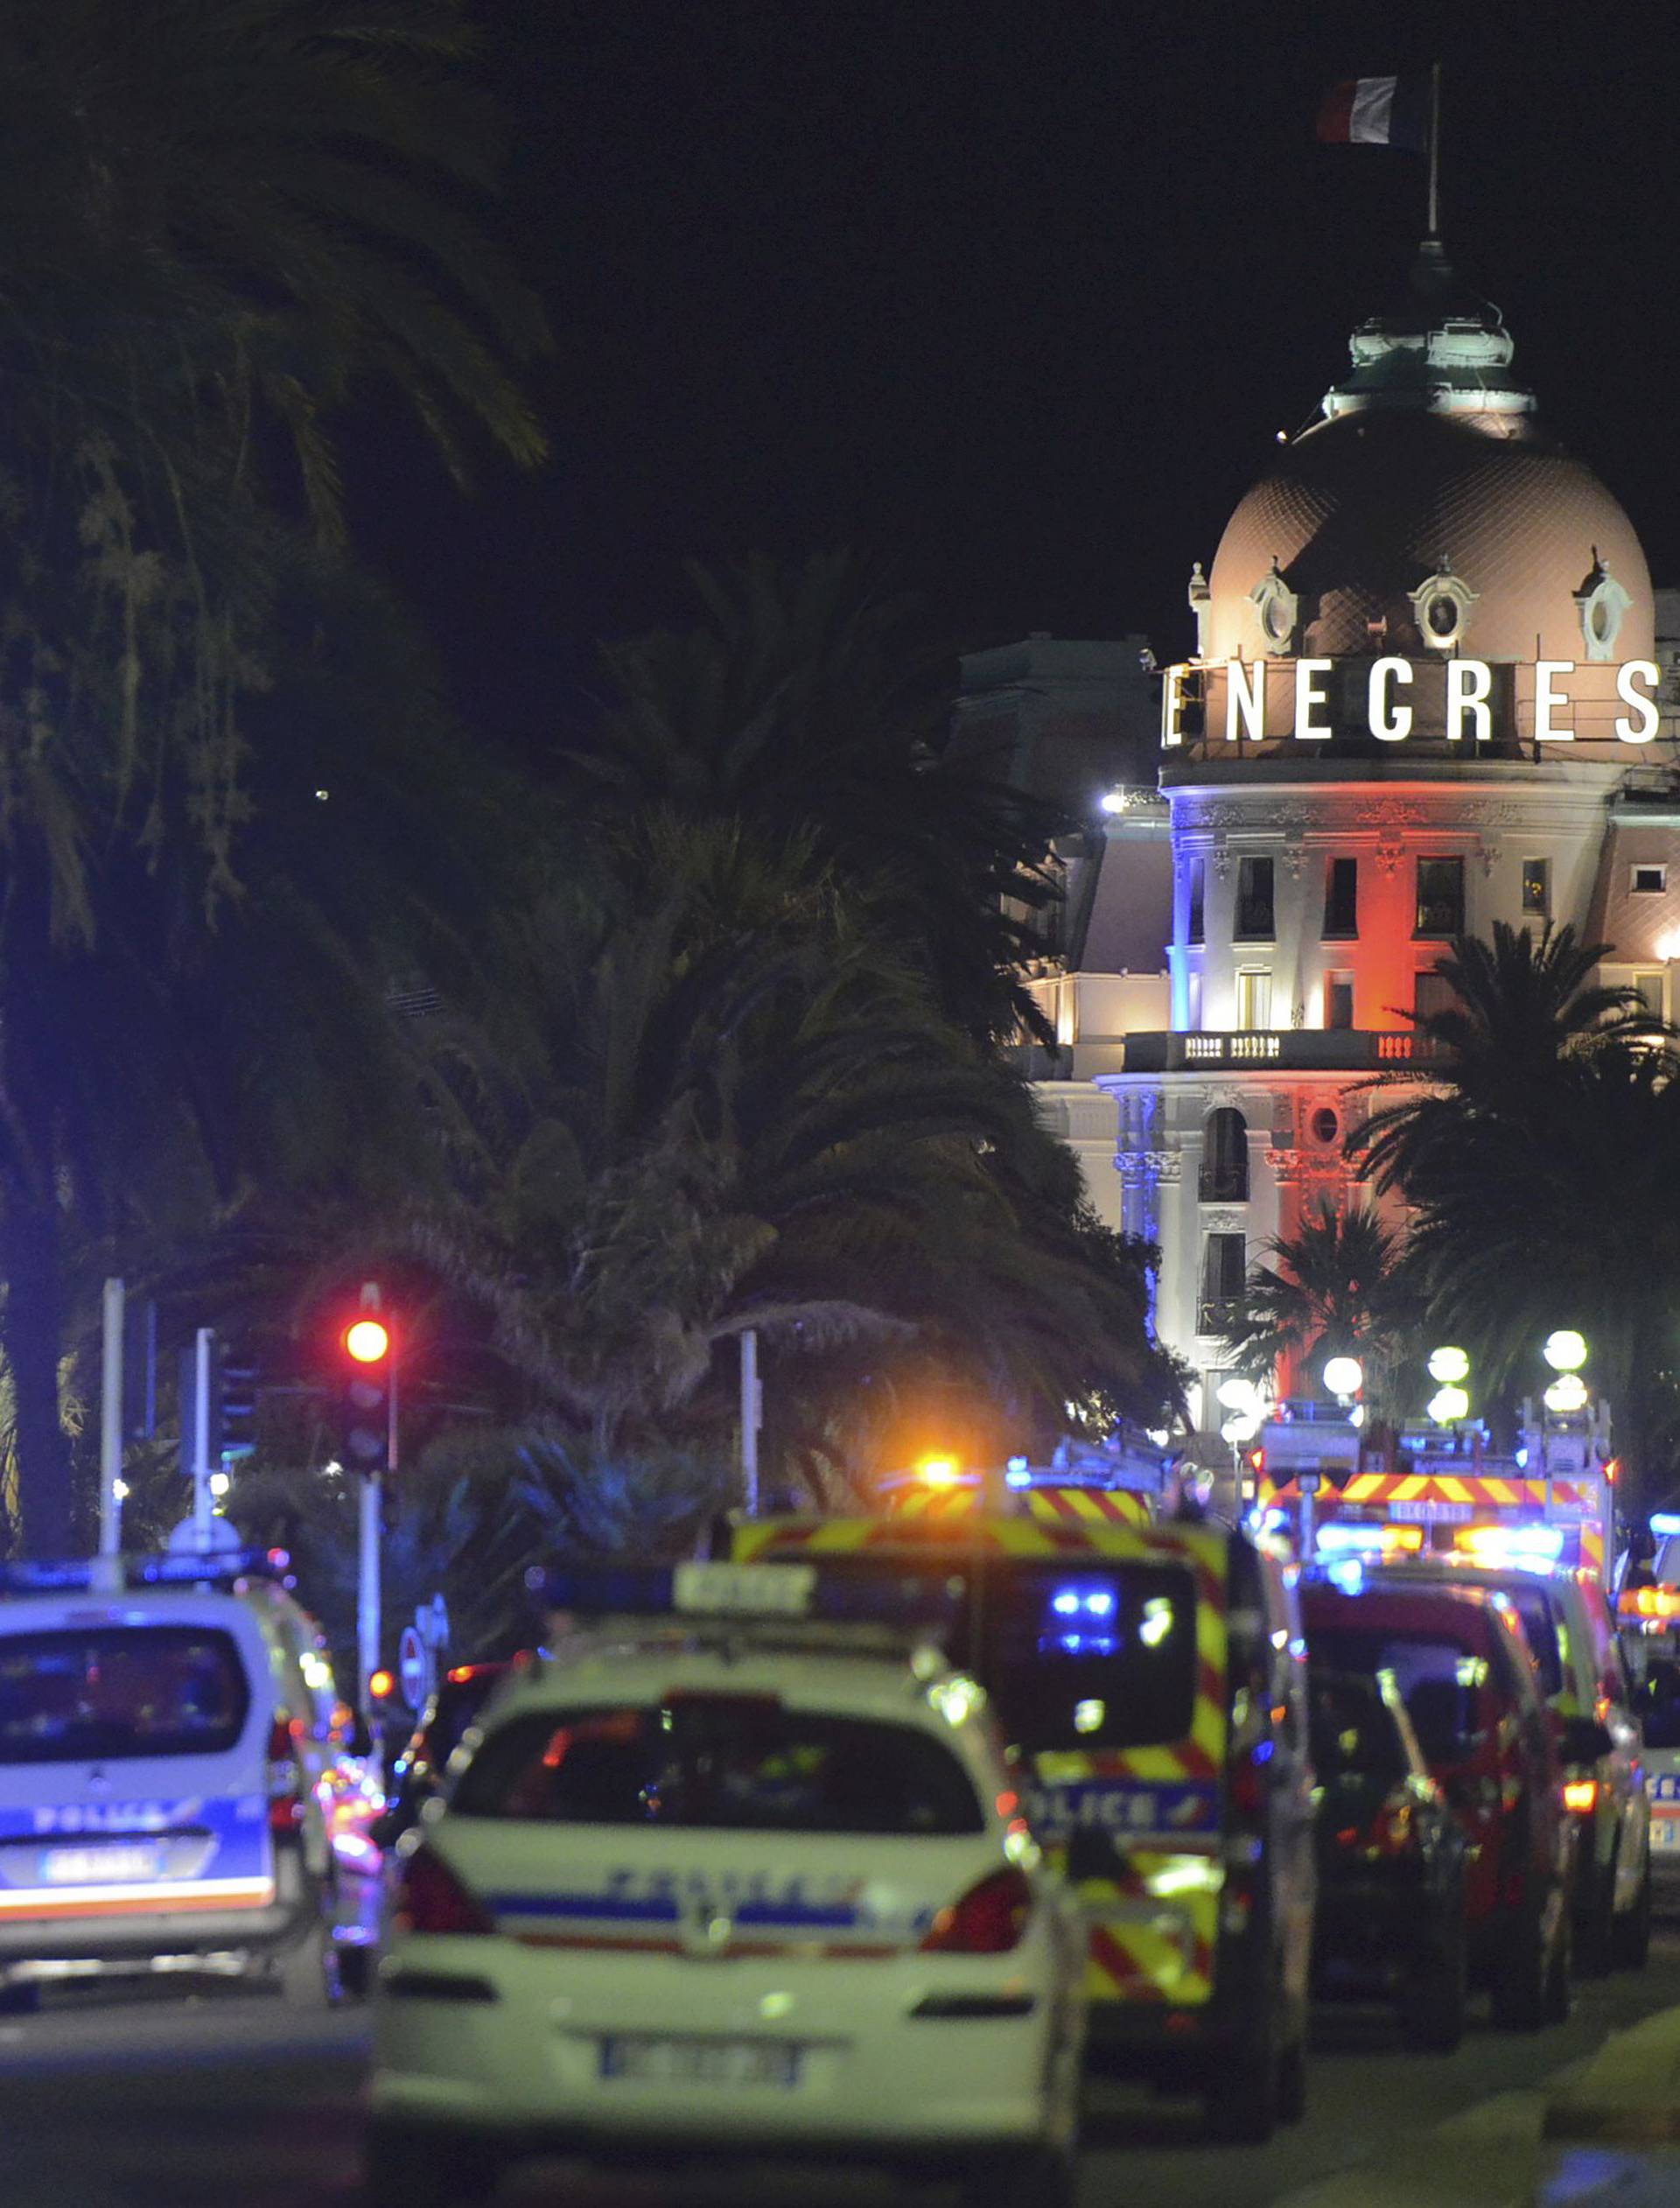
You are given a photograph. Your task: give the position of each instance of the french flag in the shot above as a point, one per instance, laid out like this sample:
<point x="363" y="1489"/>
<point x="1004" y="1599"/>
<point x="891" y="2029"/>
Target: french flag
<point x="1376" y="111"/>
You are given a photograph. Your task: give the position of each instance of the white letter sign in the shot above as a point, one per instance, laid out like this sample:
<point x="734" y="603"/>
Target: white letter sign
<point x="1307" y="694"/>
<point x="1390" y="724"/>
<point x="1549" y="700"/>
<point x="1630" y="672"/>
<point x="1247" y="698"/>
<point x="1469" y="684"/>
<point x="1171" y="731"/>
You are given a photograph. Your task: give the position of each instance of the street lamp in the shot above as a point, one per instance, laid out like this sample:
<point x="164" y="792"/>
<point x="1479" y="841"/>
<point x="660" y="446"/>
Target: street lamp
<point x="1565" y="1351"/>
<point x="1449" y="1366"/>
<point x="1344" y="1376"/>
<point x="1566" y="1393"/>
<point x="1447" y="1405"/>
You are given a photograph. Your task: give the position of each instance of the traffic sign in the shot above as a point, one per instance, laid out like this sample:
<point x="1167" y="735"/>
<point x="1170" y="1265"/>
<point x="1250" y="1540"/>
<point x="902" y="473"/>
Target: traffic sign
<point x="415" y="1669"/>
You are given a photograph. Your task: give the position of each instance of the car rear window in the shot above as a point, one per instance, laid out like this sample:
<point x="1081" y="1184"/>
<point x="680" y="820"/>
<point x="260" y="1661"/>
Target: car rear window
<point x="1440" y="1681"/>
<point x="105" y="1693"/>
<point x="732" y="1763"/>
<point x="1352" y="1729"/>
<point x="1089" y="1655"/>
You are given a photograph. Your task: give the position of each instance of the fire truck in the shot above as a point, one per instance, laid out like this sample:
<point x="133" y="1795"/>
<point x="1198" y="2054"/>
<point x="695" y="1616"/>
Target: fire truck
<point x="1550" y="1502"/>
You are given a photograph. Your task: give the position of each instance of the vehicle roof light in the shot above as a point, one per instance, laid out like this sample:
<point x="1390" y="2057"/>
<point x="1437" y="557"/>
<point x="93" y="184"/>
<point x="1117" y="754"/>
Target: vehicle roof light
<point x="743" y="1592"/>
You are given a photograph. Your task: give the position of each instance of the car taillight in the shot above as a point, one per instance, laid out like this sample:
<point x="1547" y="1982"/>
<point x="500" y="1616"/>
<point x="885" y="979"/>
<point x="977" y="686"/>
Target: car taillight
<point x="430" y="1898"/>
<point x="1581" y="1795"/>
<point x="285" y="1775"/>
<point x="989" y="1920"/>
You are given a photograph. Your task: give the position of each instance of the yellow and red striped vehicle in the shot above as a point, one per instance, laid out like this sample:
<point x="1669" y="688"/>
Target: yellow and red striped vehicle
<point x="1149" y="1678"/>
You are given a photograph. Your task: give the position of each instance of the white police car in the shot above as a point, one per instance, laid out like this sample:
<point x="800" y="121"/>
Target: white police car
<point x="756" y="1884"/>
<point x="158" y="1801"/>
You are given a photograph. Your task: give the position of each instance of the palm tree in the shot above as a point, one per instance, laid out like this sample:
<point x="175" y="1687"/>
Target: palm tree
<point x="1520" y="1007"/>
<point x="227" y="220"/>
<point x="808" y="703"/>
<point x="1344" y="1289"/>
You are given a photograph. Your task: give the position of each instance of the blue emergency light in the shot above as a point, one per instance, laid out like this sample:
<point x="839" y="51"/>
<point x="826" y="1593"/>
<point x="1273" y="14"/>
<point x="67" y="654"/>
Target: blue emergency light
<point x="67" y="1574"/>
<point x="1665" y="1525"/>
<point x="783" y="1592"/>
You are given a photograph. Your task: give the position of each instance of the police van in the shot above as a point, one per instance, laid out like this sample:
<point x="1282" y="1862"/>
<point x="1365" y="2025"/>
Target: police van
<point x="1150" y="1678"/>
<point x="163" y="1742"/>
<point x="732" y="1869"/>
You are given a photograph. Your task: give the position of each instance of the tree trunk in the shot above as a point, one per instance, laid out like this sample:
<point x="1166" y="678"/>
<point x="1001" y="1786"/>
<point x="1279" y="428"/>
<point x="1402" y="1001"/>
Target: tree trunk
<point x="30" y="1248"/>
<point x="29" y="1258"/>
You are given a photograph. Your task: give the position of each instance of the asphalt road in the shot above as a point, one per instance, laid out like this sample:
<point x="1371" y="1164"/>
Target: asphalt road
<point x="155" y="2102"/>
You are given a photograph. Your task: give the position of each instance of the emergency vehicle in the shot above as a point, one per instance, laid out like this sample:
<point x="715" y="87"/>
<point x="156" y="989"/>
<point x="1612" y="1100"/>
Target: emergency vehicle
<point x="736" y="1867"/>
<point x="1435" y="1497"/>
<point x="1648" y="1619"/>
<point x="1149" y="1679"/>
<point x="167" y="1730"/>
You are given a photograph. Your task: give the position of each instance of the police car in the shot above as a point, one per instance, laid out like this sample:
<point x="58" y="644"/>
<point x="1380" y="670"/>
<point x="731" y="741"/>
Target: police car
<point x="160" y="1757"/>
<point x="722" y="1875"/>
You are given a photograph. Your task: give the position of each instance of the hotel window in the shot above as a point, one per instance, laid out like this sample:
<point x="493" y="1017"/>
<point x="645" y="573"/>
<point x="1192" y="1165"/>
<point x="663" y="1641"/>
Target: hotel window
<point x="1650" y="983"/>
<point x="1224" y="1175"/>
<point x="1253" y="902"/>
<point x="1649" y="881"/>
<point x="1440" y="897"/>
<point x="1253" y="996"/>
<point x="1536" y="887"/>
<point x="1224" y="1276"/>
<point x="1195" y="922"/>
<point x="1338" y="1001"/>
<point x="1435" y="994"/>
<point x="1341" y="898"/>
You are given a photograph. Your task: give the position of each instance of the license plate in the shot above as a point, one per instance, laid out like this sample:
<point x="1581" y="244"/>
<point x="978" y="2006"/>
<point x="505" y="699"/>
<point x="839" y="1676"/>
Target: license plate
<point x="99" y="1866"/>
<point x="702" y="2062"/>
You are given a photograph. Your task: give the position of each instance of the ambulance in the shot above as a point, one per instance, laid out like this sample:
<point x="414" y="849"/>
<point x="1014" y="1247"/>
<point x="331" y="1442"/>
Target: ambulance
<point x="1149" y="1678"/>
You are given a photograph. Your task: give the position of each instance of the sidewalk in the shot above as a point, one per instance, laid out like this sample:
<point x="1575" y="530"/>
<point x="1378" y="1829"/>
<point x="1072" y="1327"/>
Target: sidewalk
<point x="1601" y="2133"/>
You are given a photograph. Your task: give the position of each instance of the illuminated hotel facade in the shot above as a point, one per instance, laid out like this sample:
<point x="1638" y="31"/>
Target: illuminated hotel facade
<point x="1430" y="690"/>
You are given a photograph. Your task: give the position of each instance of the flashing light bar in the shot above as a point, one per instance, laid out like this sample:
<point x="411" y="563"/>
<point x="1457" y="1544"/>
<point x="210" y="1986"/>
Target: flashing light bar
<point x="1649" y="1601"/>
<point x="1665" y="1525"/>
<point x="1340" y="1539"/>
<point x="1533" y="1548"/>
<point x="63" y="1573"/>
<point x="745" y="1593"/>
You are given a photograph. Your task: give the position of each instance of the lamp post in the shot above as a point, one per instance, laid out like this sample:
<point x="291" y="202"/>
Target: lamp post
<point x="1564" y="1351"/>
<point x="1344" y="1376"/>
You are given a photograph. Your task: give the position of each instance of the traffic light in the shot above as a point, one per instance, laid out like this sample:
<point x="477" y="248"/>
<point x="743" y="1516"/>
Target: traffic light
<point x="368" y="1403"/>
<point x="233" y="1403"/>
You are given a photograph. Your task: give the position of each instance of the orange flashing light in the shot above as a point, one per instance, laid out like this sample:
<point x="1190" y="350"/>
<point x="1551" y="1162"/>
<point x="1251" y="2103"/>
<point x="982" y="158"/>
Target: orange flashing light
<point x="1649" y="1601"/>
<point x="938" y="1471"/>
<point x="1581" y="1795"/>
<point x="368" y="1340"/>
<point x="382" y="1685"/>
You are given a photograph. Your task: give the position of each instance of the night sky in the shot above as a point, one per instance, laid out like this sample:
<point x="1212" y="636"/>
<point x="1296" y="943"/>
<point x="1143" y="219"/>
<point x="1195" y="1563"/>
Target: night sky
<point x="1016" y="294"/>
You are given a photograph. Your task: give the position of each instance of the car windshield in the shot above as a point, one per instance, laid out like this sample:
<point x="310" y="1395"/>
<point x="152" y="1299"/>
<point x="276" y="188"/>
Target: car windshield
<point x="100" y="1693"/>
<point x="1438" y="1678"/>
<point x="739" y="1762"/>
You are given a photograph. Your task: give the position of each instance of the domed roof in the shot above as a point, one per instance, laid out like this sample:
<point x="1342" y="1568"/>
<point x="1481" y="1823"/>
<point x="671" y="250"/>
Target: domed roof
<point x="1361" y="511"/>
<point x="1428" y="464"/>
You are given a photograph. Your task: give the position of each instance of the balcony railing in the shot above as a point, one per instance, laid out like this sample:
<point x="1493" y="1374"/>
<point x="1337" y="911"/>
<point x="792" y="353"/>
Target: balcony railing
<point x="1215" y="1313"/>
<point x="1439" y="916"/>
<point x="1287" y="1049"/>
<point x="1223" y="1184"/>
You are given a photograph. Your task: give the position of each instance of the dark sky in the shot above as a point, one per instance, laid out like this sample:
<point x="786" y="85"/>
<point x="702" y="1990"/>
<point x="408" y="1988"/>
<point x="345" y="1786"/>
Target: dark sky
<point x="1019" y="294"/>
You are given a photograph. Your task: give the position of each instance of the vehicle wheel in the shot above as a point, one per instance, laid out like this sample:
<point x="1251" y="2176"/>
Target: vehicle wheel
<point x="1242" y="2097"/>
<point x="1523" y="1981"/>
<point x="1433" y="2007"/>
<point x="1630" y="1936"/>
<point x="1595" y="1928"/>
<point x="1026" y="2177"/>
<point x="410" y="2169"/>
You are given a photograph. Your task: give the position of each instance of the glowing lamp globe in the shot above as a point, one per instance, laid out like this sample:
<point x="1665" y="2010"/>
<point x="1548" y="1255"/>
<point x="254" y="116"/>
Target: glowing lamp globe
<point x="1344" y="1375"/>
<point x="1564" y="1351"/>
<point x="1236" y="1393"/>
<point x="1567" y="1392"/>
<point x="1448" y="1365"/>
<point x="368" y="1340"/>
<point x="1448" y="1405"/>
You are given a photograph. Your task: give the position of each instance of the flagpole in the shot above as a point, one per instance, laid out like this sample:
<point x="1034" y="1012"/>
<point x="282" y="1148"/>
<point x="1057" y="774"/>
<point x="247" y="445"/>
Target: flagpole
<point x="1435" y="150"/>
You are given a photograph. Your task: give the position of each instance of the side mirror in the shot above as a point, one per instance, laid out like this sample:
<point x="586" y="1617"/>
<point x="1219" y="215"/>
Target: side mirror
<point x="1583" y="1740"/>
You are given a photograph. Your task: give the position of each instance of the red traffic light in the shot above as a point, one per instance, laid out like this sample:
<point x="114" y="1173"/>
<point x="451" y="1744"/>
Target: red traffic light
<point x="368" y="1340"/>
